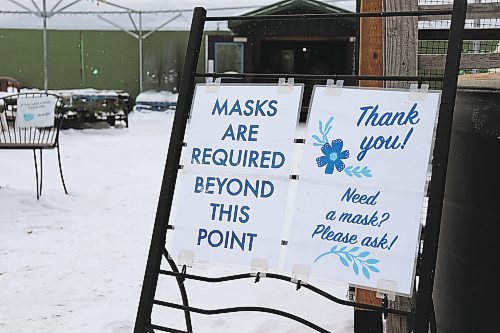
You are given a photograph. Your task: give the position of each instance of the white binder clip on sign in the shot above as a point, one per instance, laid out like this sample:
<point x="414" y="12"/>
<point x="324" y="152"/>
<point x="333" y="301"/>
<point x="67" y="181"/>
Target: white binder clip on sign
<point x="186" y="258"/>
<point x="212" y="85"/>
<point x="259" y="266"/>
<point x="387" y="287"/>
<point x="300" y="274"/>
<point x="417" y="94"/>
<point x="334" y="87"/>
<point x="285" y="87"/>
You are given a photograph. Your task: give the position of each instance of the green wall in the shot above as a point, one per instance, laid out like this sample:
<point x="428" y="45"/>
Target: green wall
<point x="92" y="59"/>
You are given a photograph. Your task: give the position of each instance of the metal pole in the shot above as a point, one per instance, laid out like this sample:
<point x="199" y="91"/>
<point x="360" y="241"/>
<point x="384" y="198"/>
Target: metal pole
<point x="45" y="57"/>
<point x="140" y="51"/>
<point x="161" y="26"/>
<point x="476" y="44"/>
<point x="439" y="166"/>
<point x="143" y="319"/>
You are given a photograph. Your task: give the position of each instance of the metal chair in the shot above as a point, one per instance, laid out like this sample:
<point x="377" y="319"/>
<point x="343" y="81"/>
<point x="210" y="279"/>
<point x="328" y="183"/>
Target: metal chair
<point x="19" y="133"/>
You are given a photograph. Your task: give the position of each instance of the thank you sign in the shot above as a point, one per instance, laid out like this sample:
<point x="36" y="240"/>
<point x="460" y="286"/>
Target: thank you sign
<point x="232" y="193"/>
<point x="362" y="175"/>
<point x="35" y="111"/>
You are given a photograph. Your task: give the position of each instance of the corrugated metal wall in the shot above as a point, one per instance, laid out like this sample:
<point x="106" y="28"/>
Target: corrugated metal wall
<point x="92" y="59"/>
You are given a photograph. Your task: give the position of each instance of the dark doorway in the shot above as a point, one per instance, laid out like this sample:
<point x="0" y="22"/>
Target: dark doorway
<point x="303" y="57"/>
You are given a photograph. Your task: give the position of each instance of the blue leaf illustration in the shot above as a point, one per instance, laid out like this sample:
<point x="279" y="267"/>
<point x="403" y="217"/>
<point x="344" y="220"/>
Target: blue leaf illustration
<point x="366" y="172"/>
<point x="329" y="122"/>
<point x="323" y="130"/>
<point x="347" y="256"/>
<point x="363" y="254"/>
<point x="321" y="256"/>
<point x="352" y="171"/>
<point x="356" y="172"/>
<point x="315" y="137"/>
<point x="372" y="261"/>
<point x="343" y="261"/>
<point x="366" y="272"/>
<point x="355" y="268"/>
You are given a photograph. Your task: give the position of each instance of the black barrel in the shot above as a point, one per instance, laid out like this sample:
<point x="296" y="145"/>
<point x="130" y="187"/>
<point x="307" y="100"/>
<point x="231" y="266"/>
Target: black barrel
<point x="467" y="280"/>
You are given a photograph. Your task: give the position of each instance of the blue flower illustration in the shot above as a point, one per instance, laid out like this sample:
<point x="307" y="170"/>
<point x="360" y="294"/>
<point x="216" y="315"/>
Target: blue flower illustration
<point x="333" y="156"/>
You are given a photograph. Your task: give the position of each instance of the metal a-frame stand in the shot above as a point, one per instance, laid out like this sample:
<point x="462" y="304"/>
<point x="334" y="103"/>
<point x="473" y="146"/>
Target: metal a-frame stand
<point x="427" y="264"/>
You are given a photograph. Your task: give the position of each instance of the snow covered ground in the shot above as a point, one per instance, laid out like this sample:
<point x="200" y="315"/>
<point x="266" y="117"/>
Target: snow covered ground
<point x="76" y="263"/>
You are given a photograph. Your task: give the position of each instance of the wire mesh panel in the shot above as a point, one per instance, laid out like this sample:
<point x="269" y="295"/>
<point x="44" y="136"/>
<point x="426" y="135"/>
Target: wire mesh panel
<point x="481" y="46"/>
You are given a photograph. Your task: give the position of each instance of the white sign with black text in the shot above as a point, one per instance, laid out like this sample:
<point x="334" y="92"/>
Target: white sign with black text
<point x="361" y="186"/>
<point x="232" y="193"/>
<point x="35" y="111"/>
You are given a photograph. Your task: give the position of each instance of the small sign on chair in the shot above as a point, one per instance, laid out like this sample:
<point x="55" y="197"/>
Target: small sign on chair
<point x="35" y="111"/>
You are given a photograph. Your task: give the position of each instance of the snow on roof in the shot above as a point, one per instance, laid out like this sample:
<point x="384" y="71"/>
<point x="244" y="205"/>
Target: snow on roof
<point x="68" y="93"/>
<point x="153" y="96"/>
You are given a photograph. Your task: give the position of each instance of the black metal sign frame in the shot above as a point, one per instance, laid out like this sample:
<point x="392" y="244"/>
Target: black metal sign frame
<point x="157" y="251"/>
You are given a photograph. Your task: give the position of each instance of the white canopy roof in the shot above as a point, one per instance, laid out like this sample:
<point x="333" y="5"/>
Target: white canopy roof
<point x="116" y="12"/>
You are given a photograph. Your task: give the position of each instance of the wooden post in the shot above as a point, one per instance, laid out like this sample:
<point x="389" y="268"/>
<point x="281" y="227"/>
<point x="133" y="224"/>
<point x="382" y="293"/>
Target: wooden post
<point x="401" y="42"/>
<point x="371" y="62"/>
<point x="371" y="43"/>
<point x="401" y="48"/>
